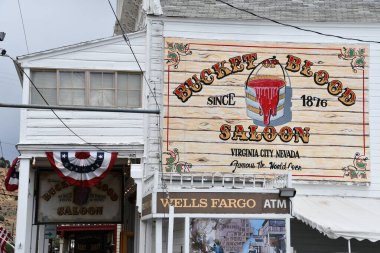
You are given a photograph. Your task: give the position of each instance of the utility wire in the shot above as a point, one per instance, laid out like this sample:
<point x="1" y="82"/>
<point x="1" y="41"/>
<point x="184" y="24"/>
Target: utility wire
<point x="23" y="26"/>
<point x="127" y="41"/>
<point x="297" y="27"/>
<point x="59" y="118"/>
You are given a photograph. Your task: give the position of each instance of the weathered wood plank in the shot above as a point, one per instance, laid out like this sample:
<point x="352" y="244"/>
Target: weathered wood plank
<point x="213" y="125"/>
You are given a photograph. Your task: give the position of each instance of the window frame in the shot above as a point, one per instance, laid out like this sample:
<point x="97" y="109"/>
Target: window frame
<point x="87" y="86"/>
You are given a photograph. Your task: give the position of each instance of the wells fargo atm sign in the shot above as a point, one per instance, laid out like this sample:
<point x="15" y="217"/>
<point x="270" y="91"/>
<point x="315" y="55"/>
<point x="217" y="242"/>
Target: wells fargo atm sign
<point x="267" y="107"/>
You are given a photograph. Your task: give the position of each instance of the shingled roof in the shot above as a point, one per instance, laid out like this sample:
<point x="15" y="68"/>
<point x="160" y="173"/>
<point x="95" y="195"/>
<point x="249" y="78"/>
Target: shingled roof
<point x="351" y="11"/>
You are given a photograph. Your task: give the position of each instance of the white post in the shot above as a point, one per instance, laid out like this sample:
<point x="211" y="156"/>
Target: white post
<point x="158" y="235"/>
<point x="34" y="238"/>
<point x="287" y="228"/>
<point x="61" y="245"/>
<point x="349" y="246"/>
<point x="24" y="207"/>
<point x="137" y="175"/>
<point x="170" y="229"/>
<point x="142" y="237"/>
<point x="187" y="235"/>
<point x="41" y="238"/>
<point x="148" y="236"/>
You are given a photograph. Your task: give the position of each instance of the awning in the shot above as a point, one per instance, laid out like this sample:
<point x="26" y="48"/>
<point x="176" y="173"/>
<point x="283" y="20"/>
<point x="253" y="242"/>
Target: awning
<point x="347" y="217"/>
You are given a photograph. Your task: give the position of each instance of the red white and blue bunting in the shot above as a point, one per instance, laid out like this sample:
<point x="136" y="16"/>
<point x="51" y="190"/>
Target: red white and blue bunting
<point x="84" y="169"/>
<point x="12" y="177"/>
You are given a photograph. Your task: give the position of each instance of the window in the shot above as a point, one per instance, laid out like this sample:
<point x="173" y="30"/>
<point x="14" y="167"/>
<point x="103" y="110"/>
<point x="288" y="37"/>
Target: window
<point x="87" y="88"/>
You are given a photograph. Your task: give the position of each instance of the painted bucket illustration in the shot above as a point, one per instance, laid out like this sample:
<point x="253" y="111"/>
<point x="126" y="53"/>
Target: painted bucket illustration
<point x="268" y="94"/>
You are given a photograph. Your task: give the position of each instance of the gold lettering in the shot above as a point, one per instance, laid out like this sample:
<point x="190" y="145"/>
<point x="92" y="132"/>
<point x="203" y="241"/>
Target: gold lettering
<point x="293" y="64"/>
<point x="236" y="64"/>
<point x="223" y="203"/>
<point x="165" y="202"/>
<point x="251" y="203"/>
<point x="306" y="70"/>
<point x="194" y="203"/>
<point x="241" y="203"/>
<point x="214" y="202"/>
<point x="183" y="92"/>
<point x="270" y="133"/>
<point x="206" y="76"/>
<point x="321" y="77"/>
<point x="239" y="133"/>
<point x="194" y="83"/>
<point x="186" y="204"/>
<point x="232" y="203"/>
<point x="220" y="70"/>
<point x="254" y="136"/>
<point x="203" y="202"/>
<point x="301" y="133"/>
<point x="335" y="87"/>
<point x="249" y="59"/>
<point x="225" y="132"/>
<point x="348" y="97"/>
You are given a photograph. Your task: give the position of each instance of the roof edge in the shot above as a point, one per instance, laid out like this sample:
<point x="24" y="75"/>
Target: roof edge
<point x="84" y="44"/>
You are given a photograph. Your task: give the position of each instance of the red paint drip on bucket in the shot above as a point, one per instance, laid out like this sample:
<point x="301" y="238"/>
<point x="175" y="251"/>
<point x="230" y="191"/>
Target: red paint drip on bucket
<point x="267" y="94"/>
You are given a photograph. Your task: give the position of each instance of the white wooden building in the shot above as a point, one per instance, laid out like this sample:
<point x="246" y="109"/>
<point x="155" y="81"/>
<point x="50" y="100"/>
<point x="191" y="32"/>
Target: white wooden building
<point x="64" y="76"/>
<point x="332" y="211"/>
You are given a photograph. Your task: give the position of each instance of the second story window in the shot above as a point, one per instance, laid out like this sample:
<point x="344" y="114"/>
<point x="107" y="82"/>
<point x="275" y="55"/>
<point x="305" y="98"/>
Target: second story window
<point x="87" y="88"/>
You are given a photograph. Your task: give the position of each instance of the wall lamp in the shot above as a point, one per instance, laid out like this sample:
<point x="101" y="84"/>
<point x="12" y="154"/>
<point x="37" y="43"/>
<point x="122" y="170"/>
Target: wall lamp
<point x="2" y="36"/>
<point x="287" y="192"/>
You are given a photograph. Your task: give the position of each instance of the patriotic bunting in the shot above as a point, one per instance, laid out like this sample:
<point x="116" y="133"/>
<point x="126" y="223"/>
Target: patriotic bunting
<point x="5" y="239"/>
<point x="11" y="179"/>
<point x="84" y="169"/>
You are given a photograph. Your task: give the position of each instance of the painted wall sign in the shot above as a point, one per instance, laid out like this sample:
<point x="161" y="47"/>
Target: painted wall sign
<point x="267" y="107"/>
<point x="237" y="235"/>
<point x="59" y="202"/>
<point x="226" y="202"/>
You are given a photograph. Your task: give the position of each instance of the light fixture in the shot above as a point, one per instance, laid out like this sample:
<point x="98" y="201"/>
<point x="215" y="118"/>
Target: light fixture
<point x="287" y="192"/>
<point x="2" y="36"/>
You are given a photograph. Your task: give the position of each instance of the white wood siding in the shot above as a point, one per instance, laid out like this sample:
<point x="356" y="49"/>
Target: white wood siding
<point x="257" y="31"/>
<point x="43" y="127"/>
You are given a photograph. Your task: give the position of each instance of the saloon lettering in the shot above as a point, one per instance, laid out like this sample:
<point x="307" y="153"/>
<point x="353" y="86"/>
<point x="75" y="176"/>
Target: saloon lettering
<point x="219" y="70"/>
<point x="269" y="133"/>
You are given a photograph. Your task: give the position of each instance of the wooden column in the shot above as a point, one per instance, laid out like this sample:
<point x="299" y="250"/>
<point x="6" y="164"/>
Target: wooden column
<point x="158" y="241"/>
<point x="24" y="207"/>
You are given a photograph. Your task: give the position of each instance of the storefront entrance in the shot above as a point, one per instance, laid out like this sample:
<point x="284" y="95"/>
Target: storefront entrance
<point x="89" y="238"/>
<point x="95" y="242"/>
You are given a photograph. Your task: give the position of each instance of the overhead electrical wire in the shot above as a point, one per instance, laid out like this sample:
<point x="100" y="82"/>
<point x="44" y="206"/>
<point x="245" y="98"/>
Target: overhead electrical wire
<point x="47" y="103"/>
<point x="128" y="42"/>
<point x="23" y="26"/>
<point x="296" y="27"/>
<point x="164" y="187"/>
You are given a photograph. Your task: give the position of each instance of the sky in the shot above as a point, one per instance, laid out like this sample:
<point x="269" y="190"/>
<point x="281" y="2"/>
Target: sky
<point x="48" y="24"/>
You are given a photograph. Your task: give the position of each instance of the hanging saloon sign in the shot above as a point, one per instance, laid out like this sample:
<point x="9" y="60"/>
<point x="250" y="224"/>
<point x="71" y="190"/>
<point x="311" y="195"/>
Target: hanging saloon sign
<point x="61" y="202"/>
<point x="267" y="107"/>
